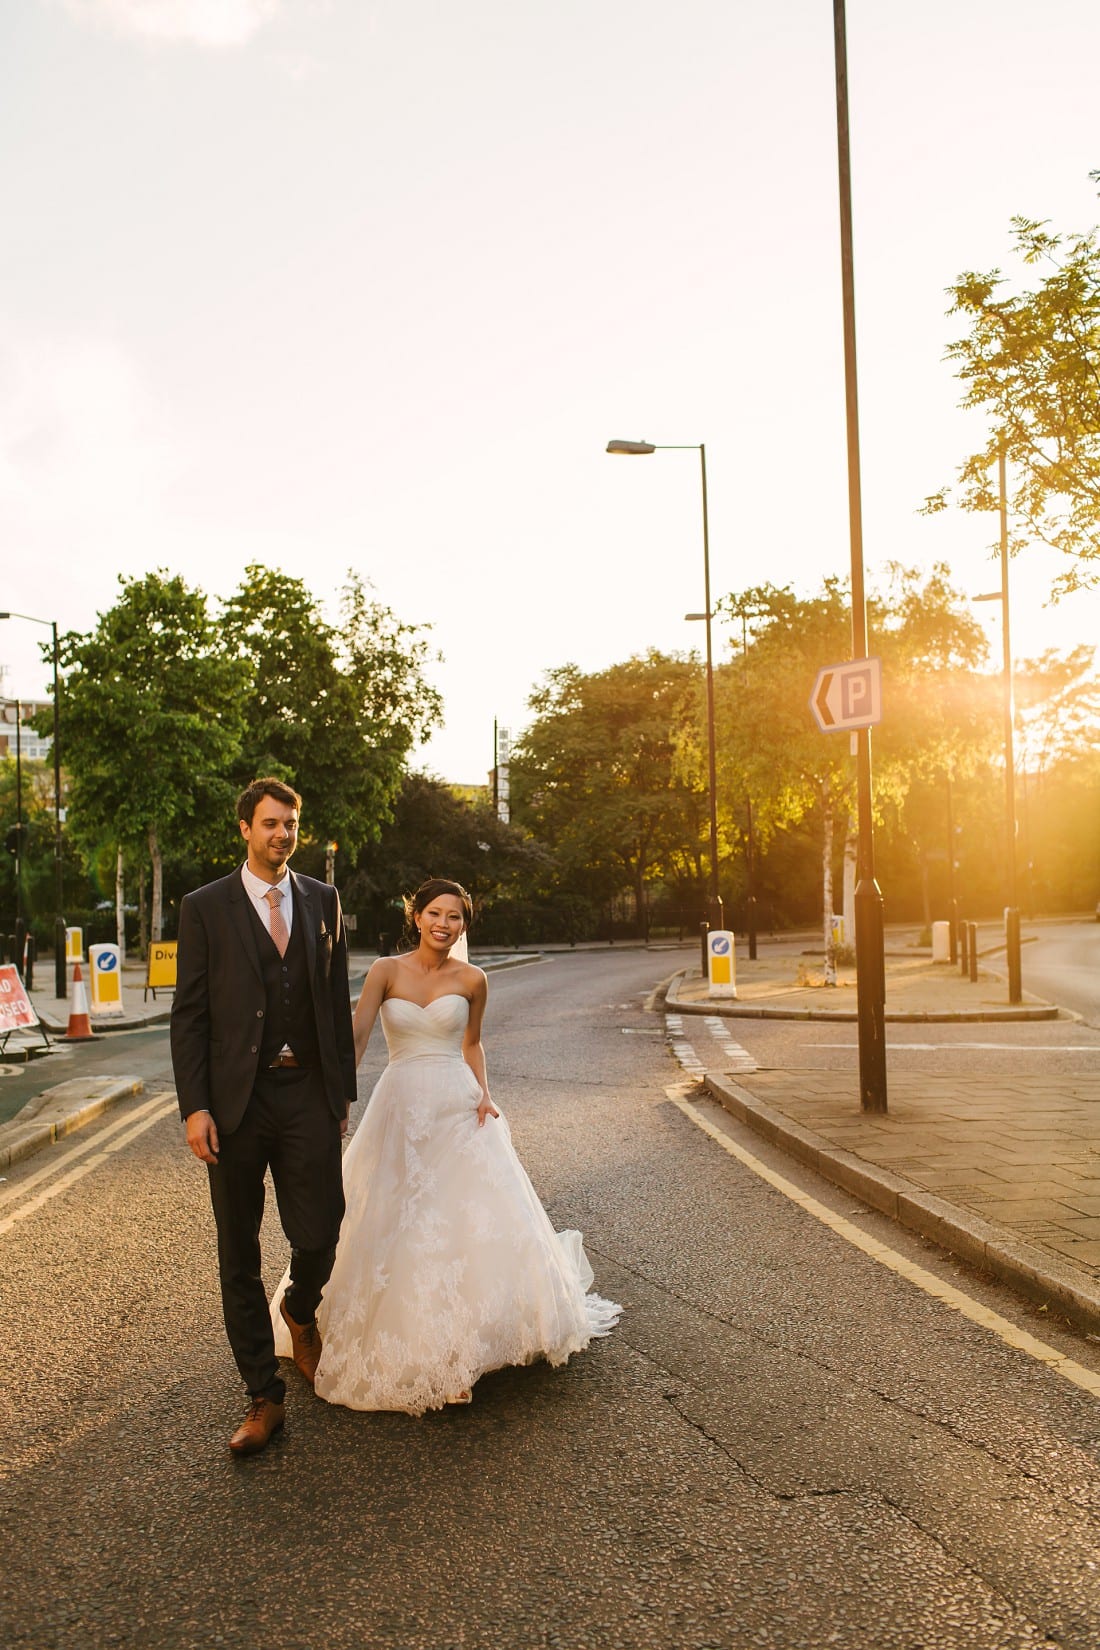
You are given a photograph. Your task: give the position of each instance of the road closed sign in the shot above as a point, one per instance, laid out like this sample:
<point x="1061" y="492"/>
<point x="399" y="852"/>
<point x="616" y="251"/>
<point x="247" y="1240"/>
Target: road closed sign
<point x="105" y="979"/>
<point x="16" y="1010"/>
<point x="848" y="696"/>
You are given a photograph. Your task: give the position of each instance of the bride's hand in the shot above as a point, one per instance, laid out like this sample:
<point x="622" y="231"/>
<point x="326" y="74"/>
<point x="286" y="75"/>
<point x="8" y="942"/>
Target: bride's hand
<point x="485" y="1109"/>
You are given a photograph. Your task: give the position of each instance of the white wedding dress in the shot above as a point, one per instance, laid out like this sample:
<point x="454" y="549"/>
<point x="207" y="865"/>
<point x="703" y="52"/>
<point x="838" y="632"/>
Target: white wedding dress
<point x="447" y="1264"/>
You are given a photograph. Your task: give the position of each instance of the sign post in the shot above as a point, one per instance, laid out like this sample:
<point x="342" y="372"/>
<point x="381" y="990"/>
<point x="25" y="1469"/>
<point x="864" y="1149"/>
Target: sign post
<point x="721" y="964"/>
<point x="848" y="696"/>
<point x="160" y="970"/>
<point x="105" y="978"/>
<point x="16" y="1009"/>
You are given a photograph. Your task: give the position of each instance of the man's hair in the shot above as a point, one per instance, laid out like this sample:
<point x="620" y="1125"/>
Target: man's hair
<point x="251" y="797"/>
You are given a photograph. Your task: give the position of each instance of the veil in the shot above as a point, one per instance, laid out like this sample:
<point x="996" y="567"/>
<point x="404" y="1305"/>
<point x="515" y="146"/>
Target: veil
<point x="460" y="951"/>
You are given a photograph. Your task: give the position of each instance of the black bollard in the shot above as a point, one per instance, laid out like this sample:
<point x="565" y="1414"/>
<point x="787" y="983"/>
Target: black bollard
<point x="964" y="949"/>
<point x="1012" y="947"/>
<point x="953" y="927"/>
<point x="972" y="941"/>
<point x="28" y="971"/>
<point x="704" y="930"/>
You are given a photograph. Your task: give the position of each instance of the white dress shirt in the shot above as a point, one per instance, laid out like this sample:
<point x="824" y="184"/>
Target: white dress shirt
<point x="256" y="889"/>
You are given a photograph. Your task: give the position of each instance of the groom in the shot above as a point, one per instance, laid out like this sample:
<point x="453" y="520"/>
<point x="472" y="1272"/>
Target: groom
<point x="264" y="1062"/>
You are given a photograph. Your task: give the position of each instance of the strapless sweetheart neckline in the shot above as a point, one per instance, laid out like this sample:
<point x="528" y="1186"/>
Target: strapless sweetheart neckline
<point x="424" y="1007"/>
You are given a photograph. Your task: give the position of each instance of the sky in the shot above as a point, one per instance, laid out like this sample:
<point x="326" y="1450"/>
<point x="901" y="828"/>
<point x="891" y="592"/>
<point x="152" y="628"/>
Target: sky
<point x="369" y="284"/>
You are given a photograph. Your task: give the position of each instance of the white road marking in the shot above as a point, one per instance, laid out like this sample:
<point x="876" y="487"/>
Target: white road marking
<point x="1088" y="1380"/>
<point x="1005" y="1048"/>
<point x="123" y="1132"/>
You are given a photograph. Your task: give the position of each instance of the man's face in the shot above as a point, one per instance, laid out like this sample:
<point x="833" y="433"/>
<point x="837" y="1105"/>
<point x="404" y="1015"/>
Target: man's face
<point x="272" y="837"/>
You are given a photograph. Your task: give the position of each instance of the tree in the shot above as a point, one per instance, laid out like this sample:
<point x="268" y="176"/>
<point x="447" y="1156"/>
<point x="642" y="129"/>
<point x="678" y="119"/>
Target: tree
<point x="1031" y="362"/>
<point x="771" y="750"/>
<point x="607" y="775"/>
<point x="436" y="832"/>
<point x="151" y="710"/>
<point x="334" y="712"/>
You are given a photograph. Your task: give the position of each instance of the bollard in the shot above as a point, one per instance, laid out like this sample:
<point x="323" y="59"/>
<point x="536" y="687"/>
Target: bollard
<point x="31" y="952"/>
<point x="384" y="945"/>
<point x="964" y="948"/>
<point x="972" y="946"/>
<point x="704" y="930"/>
<point x="1012" y="948"/>
<point x="954" y="918"/>
<point x="19" y="946"/>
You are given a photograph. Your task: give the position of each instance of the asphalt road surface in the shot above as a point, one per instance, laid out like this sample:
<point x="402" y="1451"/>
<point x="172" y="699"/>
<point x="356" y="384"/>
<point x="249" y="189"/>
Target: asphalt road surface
<point x="784" y="1444"/>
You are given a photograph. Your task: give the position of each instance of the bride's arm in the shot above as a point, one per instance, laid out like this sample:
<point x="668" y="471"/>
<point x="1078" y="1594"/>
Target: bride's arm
<point x="370" y="1001"/>
<point x="472" y="1051"/>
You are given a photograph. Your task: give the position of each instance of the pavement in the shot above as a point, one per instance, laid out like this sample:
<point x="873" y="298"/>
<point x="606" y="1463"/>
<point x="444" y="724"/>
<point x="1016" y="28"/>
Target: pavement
<point x="1003" y="1171"/>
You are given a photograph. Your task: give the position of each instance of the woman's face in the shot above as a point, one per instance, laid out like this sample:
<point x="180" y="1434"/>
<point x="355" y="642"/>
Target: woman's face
<point x="441" y="921"/>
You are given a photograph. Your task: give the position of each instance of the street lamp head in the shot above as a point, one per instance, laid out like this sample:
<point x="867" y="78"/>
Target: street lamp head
<point x="703" y="616"/>
<point x="988" y="596"/>
<point x="631" y="447"/>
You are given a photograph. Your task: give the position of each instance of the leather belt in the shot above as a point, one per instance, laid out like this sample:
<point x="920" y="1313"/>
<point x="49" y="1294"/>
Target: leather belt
<point x="285" y="1062"/>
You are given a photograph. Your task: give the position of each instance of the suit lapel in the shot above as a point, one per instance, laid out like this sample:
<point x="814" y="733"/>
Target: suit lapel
<point x="238" y="911"/>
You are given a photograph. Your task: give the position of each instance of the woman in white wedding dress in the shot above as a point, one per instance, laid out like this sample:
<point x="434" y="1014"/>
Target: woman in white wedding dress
<point x="447" y="1264"/>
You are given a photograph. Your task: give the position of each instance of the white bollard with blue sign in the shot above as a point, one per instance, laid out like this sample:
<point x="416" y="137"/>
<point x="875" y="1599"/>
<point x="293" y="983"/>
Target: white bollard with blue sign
<point x="105" y="979"/>
<point x="721" y="966"/>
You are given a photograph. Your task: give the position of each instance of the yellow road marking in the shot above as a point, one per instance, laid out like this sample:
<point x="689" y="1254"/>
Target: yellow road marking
<point x="1009" y="1333"/>
<point x="124" y="1131"/>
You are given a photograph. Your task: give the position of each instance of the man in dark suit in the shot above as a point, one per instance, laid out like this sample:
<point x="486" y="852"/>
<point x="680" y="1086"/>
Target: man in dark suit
<point x="264" y="1061"/>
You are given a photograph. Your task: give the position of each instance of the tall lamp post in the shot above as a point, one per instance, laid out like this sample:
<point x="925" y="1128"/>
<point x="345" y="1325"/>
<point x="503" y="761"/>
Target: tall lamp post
<point x="641" y="448"/>
<point x="60" y="972"/>
<point x="1012" y="911"/>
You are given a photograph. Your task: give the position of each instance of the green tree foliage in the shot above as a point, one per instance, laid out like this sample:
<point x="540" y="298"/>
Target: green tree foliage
<point x="434" y="832"/>
<point x="151" y="712"/>
<point x="937" y="711"/>
<point x="607" y="776"/>
<point x="1031" y="362"/>
<point x="333" y="711"/>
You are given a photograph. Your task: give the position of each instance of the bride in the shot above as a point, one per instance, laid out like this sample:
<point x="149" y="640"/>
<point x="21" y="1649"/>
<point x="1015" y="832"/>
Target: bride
<point x="447" y="1264"/>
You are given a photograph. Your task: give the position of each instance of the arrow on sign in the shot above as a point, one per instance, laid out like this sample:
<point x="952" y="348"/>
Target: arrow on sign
<point x="819" y="704"/>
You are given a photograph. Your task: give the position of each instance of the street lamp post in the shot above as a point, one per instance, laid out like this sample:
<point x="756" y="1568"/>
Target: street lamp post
<point x="1012" y="911"/>
<point x="870" y="951"/>
<point x="60" y="971"/>
<point x="635" y="448"/>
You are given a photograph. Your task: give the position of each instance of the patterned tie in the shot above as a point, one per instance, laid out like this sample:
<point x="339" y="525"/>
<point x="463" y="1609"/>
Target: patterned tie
<point x="279" y="932"/>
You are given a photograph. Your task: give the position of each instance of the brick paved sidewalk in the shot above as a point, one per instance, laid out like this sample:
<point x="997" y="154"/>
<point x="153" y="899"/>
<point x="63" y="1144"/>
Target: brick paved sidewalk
<point x="786" y="987"/>
<point x="1002" y="1170"/>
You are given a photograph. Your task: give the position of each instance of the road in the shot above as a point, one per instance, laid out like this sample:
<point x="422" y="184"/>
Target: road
<point x="1063" y="964"/>
<point x="785" y="1443"/>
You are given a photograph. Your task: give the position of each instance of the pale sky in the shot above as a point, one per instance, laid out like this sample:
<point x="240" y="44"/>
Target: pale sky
<point x="371" y="283"/>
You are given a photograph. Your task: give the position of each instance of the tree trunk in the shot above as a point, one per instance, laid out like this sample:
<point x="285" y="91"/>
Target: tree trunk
<point x="143" y="913"/>
<point x="157" y="915"/>
<point x="120" y="909"/>
<point x="827" y="892"/>
<point x="851" y="866"/>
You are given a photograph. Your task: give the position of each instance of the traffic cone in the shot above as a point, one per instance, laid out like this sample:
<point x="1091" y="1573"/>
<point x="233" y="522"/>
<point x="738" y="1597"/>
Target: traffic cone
<point x="80" y="1025"/>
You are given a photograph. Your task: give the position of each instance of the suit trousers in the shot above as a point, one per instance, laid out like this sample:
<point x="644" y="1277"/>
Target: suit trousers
<point x="288" y="1126"/>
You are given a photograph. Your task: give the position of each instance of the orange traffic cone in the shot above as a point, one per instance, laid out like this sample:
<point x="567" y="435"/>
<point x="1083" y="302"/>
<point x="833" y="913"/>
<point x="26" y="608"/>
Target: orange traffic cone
<point x="80" y="1025"/>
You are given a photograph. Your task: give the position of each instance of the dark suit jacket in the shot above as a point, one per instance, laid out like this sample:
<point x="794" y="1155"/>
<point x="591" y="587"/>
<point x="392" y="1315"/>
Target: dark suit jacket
<point x="220" y="1001"/>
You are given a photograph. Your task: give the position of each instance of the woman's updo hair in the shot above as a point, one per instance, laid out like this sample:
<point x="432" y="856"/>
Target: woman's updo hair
<point x="423" y="897"/>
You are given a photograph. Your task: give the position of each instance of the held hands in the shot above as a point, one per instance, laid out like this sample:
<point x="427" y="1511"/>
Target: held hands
<point x="202" y="1136"/>
<point x="485" y="1109"/>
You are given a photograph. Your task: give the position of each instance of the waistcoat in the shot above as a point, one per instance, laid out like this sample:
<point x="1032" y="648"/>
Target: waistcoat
<point x="288" y="1014"/>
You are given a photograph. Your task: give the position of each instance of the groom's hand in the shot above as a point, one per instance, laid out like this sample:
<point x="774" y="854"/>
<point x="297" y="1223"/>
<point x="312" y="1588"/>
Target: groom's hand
<point x="202" y="1136"/>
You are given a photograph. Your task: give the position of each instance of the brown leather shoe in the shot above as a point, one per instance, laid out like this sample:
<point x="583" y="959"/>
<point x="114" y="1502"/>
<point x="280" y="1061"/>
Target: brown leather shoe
<point x="259" y="1426"/>
<point x="305" y="1344"/>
